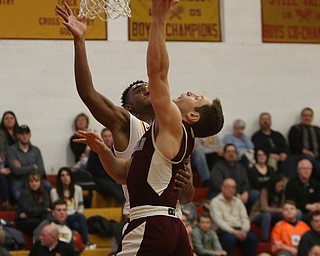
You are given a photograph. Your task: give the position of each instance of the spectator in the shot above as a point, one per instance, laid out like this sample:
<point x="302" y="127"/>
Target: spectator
<point x="199" y="163"/>
<point x="3" y="251"/>
<point x="273" y="143"/>
<point x="8" y="136"/>
<point x="304" y="140"/>
<point x="57" y="217"/>
<point x="189" y="228"/>
<point x="243" y="143"/>
<point x="314" y="250"/>
<point x="312" y="237"/>
<point x="286" y="234"/>
<point x="33" y="205"/>
<point x="230" y="215"/>
<point x="260" y="174"/>
<point x="268" y="209"/>
<point x="8" y="130"/>
<point x="49" y="243"/>
<point x="105" y="185"/>
<point x="212" y="147"/>
<point x="229" y="167"/>
<point x="304" y="189"/>
<point x="190" y="210"/>
<point x="4" y="188"/>
<point x="80" y="151"/>
<point x="205" y="239"/>
<point x="24" y="158"/>
<point x="72" y="194"/>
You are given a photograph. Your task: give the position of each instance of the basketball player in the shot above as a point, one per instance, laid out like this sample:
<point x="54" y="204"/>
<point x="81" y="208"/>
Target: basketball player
<point x="154" y="228"/>
<point x="127" y="123"/>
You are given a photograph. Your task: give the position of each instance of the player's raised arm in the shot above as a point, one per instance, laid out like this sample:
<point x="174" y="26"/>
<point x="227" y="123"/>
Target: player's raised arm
<point x="101" y="108"/>
<point x="169" y="117"/>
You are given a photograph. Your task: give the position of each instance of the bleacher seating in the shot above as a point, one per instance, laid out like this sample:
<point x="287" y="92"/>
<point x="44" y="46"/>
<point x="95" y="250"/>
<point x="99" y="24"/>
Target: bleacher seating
<point x="103" y="243"/>
<point x="110" y="209"/>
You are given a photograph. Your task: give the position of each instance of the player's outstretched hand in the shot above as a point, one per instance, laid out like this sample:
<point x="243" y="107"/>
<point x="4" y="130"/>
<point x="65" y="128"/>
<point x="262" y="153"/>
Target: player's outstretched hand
<point x="92" y="139"/>
<point x="77" y="28"/>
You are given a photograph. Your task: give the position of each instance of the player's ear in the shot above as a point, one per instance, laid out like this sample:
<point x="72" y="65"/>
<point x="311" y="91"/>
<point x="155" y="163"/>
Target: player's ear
<point x="128" y="107"/>
<point x="193" y="116"/>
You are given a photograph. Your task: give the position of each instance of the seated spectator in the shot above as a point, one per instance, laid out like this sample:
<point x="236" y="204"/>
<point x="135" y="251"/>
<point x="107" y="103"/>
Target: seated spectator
<point x="4" y="188"/>
<point x="199" y="163"/>
<point x="314" y="250"/>
<point x="190" y="210"/>
<point x="8" y="131"/>
<point x="3" y="251"/>
<point x="286" y="234"/>
<point x="229" y="167"/>
<point x="260" y="174"/>
<point x="268" y="209"/>
<point x="49" y="244"/>
<point x="230" y="215"/>
<point x="72" y="194"/>
<point x="312" y="237"/>
<point x="204" y="238"/>
<point x="24" y="158"/>
<point x="212" y="147"/>
<point x="33" y="205"/>
<point x="273" y="143"/>
<point x="304" y="189"/>
<point x="80" y="151"/>
<point x="105" y="185"/>
<point x="189" y="228"/>
<point x="206" y="153"/>
<point x="243" y="143"/>
<point x="304" y="140"/>
<point x="57" y="217"/>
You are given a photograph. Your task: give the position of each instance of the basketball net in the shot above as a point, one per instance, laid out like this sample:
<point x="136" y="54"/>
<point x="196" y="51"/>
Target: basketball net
<point x="112" y="8"/>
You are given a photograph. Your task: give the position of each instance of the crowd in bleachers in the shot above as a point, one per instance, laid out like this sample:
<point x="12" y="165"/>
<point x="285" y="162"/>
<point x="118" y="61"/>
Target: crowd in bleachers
<point x="264" y="180"/>
<point x="272" y="176"/>
<point x="25" y="189"/>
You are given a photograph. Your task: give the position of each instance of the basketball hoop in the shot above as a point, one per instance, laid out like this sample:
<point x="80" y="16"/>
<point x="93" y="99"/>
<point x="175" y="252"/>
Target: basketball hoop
<point x="112" y="8"/>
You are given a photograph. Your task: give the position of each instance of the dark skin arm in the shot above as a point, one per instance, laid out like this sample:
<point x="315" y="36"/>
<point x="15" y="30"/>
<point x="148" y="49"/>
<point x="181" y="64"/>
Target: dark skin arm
<point x="116" y="118"/>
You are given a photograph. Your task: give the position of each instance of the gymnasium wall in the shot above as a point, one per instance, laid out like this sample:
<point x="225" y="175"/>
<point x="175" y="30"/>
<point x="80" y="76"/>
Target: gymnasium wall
<point x="249" y="77"/>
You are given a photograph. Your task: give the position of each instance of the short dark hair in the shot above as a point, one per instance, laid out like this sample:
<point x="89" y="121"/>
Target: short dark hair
<point x="291" y="202"/>
<point x="211" y="119"/>
<point x="59" y="201"/>
<point x="229" y="145"/>
<point x="307" y="109"/>
<point x="124" y="96"/>
<point x="204" y="214"/>
<point x="23" y="129"/>
<point x="315" y="213"/>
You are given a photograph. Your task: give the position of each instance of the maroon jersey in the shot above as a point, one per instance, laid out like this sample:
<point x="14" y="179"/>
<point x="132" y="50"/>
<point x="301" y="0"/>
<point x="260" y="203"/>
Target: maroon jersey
<point x="151" y="175"/>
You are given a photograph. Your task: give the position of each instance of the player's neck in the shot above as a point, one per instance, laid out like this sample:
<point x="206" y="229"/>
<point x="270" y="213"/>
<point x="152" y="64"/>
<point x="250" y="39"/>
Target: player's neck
<point x="147" y="117"/>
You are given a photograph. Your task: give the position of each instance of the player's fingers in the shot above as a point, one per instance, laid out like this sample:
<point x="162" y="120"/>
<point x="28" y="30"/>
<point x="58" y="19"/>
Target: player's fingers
<point x="62" y="14"/>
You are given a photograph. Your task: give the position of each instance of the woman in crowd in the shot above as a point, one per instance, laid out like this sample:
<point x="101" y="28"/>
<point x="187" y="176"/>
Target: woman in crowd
<point x="81" y="122"/>
<point x="268" y="209"/>
<point x="260" y="174"/>
<point x="72" y="194"/>
<point x="8" y="130"/>
<point x="33" y="205"/>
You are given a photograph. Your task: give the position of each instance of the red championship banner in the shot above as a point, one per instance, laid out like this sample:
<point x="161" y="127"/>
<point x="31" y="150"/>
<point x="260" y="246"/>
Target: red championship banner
<point x="291" y="21"/>
<point x="37" y="19"/>
<point x="191" y="20"/>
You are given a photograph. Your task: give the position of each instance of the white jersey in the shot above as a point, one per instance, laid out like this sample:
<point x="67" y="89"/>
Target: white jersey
<point x="137" y="129"/>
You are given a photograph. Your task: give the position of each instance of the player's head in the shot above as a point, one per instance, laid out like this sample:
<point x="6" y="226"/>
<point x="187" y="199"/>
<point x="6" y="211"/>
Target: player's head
<point x="204" y="115"/>
<point x="136" y="97"/>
